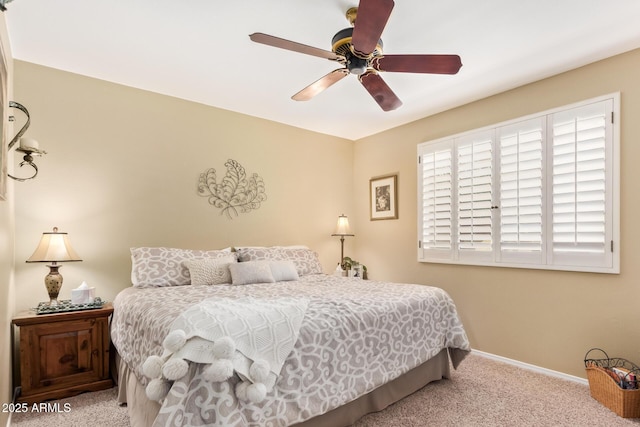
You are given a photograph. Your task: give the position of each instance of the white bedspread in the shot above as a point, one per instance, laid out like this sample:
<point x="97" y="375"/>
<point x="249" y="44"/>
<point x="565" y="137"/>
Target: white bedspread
<point x="251" y="337"/>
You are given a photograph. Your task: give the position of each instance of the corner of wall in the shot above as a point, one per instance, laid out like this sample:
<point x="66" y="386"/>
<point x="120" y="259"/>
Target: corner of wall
<point x="7" y="245"/>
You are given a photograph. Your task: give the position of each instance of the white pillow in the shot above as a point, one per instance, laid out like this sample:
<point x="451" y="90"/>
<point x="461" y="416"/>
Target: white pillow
<point x="305" y="260"/>
<point x="210" y="271"/>
<point x="246" y="273"/>
<point x="283" y="271"/>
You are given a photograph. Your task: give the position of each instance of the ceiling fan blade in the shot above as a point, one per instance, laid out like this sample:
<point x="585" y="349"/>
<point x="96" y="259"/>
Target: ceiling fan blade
<point x="435" y="64"/>
<point x="380" y="91"/>
<point x="370" y="22"/>
<point x="321" y="84"/>
<point x="294" y="46"/>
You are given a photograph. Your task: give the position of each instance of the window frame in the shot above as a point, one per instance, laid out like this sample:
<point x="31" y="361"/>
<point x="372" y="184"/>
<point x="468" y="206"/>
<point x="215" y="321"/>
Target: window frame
<point x="546" y="259"/>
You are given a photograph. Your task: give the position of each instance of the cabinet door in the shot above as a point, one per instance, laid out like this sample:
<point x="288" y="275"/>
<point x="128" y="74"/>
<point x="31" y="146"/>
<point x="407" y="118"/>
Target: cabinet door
<point x="63" y="354"/>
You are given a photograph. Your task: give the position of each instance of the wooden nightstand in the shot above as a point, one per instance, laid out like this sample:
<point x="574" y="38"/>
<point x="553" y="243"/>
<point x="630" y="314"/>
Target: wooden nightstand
<point x="63" y="354"/>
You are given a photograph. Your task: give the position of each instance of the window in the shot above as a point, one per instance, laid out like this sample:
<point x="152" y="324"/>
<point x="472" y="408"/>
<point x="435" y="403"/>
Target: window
<point x="536" y="192"/>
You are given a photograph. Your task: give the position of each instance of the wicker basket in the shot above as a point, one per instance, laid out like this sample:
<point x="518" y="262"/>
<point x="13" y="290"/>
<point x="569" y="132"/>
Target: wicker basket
<point x="603" y="388"/>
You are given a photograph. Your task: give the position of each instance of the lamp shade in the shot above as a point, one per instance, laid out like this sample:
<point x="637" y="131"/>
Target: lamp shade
<point x="342" y="228"/>
<point x="54" y="247"/>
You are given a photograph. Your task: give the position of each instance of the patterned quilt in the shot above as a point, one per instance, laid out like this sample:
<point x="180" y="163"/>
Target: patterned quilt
<point x="356" y="336"/>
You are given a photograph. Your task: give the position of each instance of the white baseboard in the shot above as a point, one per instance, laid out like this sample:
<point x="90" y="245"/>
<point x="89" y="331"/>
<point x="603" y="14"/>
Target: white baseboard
<point x="531" y="367"/>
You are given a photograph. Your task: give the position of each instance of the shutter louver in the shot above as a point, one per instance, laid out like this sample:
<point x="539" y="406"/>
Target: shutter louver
<point x="474" y="164"/>
<point x="521" y="162"/>
<point x="437" y="200"/>
<point x="579" y="185"/>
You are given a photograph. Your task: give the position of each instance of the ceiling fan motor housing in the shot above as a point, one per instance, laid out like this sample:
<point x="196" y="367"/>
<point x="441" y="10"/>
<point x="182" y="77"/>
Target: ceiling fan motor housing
<point x="341" y="45"/>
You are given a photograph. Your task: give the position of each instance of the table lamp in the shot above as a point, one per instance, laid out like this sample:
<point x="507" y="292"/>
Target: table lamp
<point x="54" y="247"/>
<point x="342" y="230"/>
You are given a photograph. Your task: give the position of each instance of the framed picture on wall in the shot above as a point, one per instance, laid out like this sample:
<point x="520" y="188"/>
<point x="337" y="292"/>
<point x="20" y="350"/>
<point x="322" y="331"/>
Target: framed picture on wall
<point x="383" y="197"/>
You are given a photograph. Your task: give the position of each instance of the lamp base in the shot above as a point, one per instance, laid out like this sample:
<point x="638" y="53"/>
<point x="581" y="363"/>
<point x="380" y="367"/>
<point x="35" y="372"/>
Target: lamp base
<point x="53" y="283"/>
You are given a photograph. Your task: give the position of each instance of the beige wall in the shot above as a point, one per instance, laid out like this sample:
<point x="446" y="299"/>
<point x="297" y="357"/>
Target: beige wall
<point x="545" y="318"/>
<point x="6" y="256"/>
<point x="122" y="170"/>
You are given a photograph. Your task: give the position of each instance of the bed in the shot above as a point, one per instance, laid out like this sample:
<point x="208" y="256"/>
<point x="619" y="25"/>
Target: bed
<point x="359" y="345"/>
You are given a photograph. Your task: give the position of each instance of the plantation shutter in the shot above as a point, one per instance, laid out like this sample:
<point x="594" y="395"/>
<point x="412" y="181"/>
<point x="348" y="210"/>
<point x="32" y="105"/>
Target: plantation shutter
<point x="521" y="191"/>
<point x="581" y="202"/>
<point x="541" y="191"/>
<point x="474" y="195"/>
<point x="437" y="201"/>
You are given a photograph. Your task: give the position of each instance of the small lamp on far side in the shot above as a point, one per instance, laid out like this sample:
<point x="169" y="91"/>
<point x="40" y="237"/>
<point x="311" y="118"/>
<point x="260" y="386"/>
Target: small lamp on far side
<point x="342" y="230"/>
<point x="54" y="247"/>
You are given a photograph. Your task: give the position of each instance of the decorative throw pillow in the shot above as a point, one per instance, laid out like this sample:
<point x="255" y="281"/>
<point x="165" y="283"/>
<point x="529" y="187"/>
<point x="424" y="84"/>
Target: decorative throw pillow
<point x="246" y="273"/>
<point x="283" y="271"/>
<point x="210" y="271"/>
<point x="164" y="266"/>
<point x="305" y="260"/>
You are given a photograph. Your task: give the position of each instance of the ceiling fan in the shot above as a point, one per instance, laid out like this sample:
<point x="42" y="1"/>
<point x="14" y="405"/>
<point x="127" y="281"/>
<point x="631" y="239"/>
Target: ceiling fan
<point x="359" y="49"/>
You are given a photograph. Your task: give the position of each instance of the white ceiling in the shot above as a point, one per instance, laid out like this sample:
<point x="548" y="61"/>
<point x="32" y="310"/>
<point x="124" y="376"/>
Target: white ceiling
<point x="200" y="50"/>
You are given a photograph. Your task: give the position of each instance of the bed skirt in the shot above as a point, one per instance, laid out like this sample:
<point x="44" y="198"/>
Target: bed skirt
<point x="143" y="411"/>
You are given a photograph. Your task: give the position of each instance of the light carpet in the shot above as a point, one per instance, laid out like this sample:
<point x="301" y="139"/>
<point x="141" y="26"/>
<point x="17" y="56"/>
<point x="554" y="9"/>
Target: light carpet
<point x="482" y="392"/>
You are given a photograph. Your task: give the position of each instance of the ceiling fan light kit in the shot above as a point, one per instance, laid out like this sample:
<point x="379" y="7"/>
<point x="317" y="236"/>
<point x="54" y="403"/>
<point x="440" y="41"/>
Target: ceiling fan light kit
<point x="359" y="50"/>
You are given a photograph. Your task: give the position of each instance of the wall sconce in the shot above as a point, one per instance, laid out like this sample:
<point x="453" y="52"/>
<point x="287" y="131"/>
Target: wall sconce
<point x="342" y="230"/>
<point x="3" y="3"/>
<point x="27" y="146"/>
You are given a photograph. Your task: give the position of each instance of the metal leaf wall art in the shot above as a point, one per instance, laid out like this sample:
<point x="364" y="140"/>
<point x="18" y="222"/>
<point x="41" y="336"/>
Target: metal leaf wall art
<point x="236" y="193"/>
